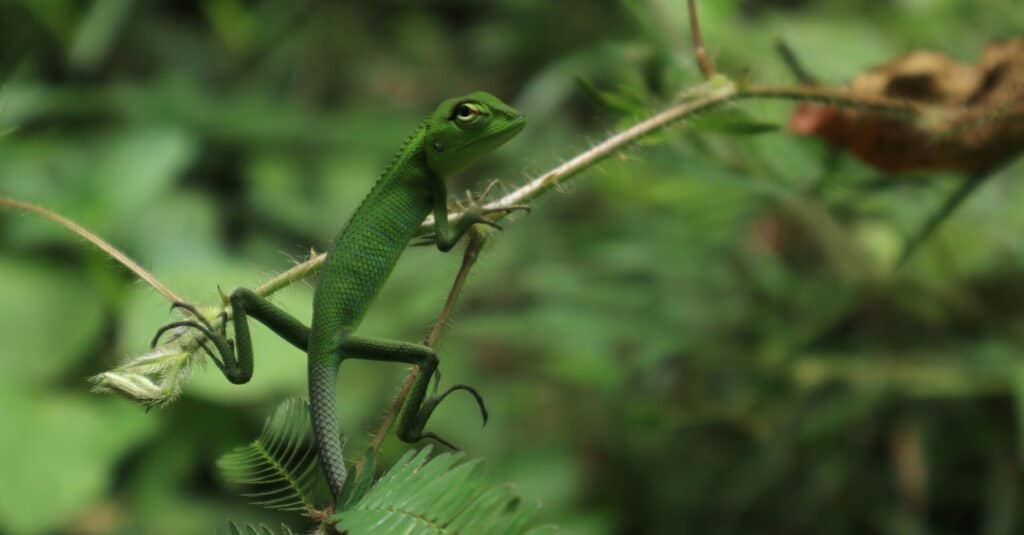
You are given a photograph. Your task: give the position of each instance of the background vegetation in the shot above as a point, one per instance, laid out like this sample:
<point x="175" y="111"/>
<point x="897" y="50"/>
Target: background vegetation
<point x="706" y="335"/>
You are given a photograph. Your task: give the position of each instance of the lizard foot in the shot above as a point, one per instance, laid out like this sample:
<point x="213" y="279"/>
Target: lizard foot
<point x="473" y="209"/>
<point x="428" y="408"/>
<point x="200" y="324"/>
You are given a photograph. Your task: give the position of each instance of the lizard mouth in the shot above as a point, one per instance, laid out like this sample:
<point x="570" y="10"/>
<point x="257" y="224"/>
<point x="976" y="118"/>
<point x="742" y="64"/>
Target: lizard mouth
<point x="518" y="123"/>
<point x="515" y="126"/>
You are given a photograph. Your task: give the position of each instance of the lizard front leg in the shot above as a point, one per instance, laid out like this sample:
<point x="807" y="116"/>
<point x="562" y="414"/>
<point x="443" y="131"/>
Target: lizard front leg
<point x="235" y="358"/>
<point x="446" y="236"/>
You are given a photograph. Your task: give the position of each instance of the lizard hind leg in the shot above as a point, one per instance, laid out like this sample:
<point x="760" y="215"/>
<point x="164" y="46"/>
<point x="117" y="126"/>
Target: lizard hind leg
<point x="418" y="407"/>
<point x="410" y="429"/>
<point x="428" y="406"/>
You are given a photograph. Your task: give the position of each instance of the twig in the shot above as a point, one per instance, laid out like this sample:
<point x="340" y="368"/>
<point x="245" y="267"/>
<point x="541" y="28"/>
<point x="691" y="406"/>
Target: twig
<point x="945" y="210"/>
<point x="896" y="107"/>
<point x="715" y="92"/>
<point x="295" y="273"/>
<point x="476" y="243"/>
<point x="88" y="236"/>
<point x="793" y="62"/>
<point x="712" y="94"/>
<point x="707" y="66"/>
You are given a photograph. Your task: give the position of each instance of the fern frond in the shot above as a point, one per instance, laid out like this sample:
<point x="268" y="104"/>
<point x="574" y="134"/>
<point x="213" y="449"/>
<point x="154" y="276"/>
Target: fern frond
<point x="440" y="496"/>
<point x="361" y="481"/>
<point x="279" y="469"/>
<point x="261" y="529"/>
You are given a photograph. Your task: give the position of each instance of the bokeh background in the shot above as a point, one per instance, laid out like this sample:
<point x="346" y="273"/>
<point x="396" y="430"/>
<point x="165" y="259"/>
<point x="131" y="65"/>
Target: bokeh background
<point x="705" y="335"/>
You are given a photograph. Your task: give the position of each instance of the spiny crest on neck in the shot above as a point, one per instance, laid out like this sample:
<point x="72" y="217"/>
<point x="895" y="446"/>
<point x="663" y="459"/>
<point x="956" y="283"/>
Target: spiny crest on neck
<point x="413" y="143"/>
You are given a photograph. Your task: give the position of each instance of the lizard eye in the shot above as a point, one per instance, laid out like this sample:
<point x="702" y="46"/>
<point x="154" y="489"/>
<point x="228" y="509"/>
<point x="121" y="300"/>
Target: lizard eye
<point x="466" y="112"/>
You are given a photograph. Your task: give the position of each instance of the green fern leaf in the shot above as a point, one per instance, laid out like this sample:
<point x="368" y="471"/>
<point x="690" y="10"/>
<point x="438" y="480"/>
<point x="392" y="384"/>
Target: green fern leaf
<point x="250" y="529"/>
<point x="279" y="469"/>
<point x="438" y="496"/>
<point x="361" y="480"/>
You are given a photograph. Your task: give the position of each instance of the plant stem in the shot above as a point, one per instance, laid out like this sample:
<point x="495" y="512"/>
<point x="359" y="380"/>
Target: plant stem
<point x="92" y="238"/>
<point x="712" y="94"/>
<point x="707" y="66"/>
<point x="476" y="243"/>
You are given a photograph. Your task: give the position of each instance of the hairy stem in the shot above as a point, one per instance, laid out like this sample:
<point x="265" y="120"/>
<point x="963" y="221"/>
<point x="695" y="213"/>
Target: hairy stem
<point x="718" y="91"/>
<point x="476" y="243"/>
<point x="92" y="238"/>
<point x="707" y="66"/>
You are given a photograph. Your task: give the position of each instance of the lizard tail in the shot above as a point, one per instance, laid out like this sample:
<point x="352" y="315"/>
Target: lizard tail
<point x="322" y="375"/>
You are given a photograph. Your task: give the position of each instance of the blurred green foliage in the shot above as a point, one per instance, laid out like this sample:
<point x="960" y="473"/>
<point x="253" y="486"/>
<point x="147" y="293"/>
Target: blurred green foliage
<point x="703" y="336"/>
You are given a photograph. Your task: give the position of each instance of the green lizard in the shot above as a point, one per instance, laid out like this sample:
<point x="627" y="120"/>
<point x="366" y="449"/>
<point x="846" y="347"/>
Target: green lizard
<point x="359" y="262"/>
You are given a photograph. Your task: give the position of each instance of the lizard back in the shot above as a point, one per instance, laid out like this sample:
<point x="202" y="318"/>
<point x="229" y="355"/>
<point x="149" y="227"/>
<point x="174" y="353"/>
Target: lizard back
<point x="366" y="250"/>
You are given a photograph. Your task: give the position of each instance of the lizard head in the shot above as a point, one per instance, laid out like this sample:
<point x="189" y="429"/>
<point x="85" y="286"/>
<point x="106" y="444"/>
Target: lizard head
<point x="462" y="129"/>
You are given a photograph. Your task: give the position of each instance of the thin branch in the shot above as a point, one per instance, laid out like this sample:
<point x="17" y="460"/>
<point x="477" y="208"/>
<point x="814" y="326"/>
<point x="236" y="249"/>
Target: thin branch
<point x="476" y="243"/>
<point x="796" y="67"/>
<point x="896" y="107"/>
<point x="710" y="95"/>
<point x="477" y="240"/>
<point x="956" y="198"/>
<point x="295" y="273"/>
<point x="100" y="243"/>
<point x="707" y="65"/>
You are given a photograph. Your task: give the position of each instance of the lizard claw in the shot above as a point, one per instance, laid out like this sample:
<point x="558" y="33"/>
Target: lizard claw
<point x="439" y="440"/>
<point x="201" y="324"/>
<point x="175" y="324"/>
<point x="476" y="396"/>
<point x="194" y="325"/>
<point x="415" y="432"/>
<point x="437" y="380"/>
<point x="475" y="212"/>
<point x="193" y="311"/>
<point x="432" y="403"/>
<point x="423" y="240"/>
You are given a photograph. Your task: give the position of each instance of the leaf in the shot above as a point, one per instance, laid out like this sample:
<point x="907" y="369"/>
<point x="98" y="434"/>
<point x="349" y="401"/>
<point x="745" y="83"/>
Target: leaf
<point x="95" y="35"/>
<point x="280" y="467"/>
<point x="258" y="529"/>
<point x="436" y="496"/>
<point x="361" y="481"/>
<point x="972" y="127"/>
<point x="48" y="318"/>
<point x="618" y="102"/>
<point x="60" y="453"/>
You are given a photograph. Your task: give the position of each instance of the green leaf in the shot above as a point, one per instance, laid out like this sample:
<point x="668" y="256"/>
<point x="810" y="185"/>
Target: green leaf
<point x="617" y="102"/>
<point x="280" y="467"/>
<point x="59" y="454"/>
<point x="436" y="496"/>
<point x="361" y="481"/>
<point x="260" y="529"/>
<point x="49" y="318"/>
<point x="97" y="32"/>
<point x="106" y="183"/>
